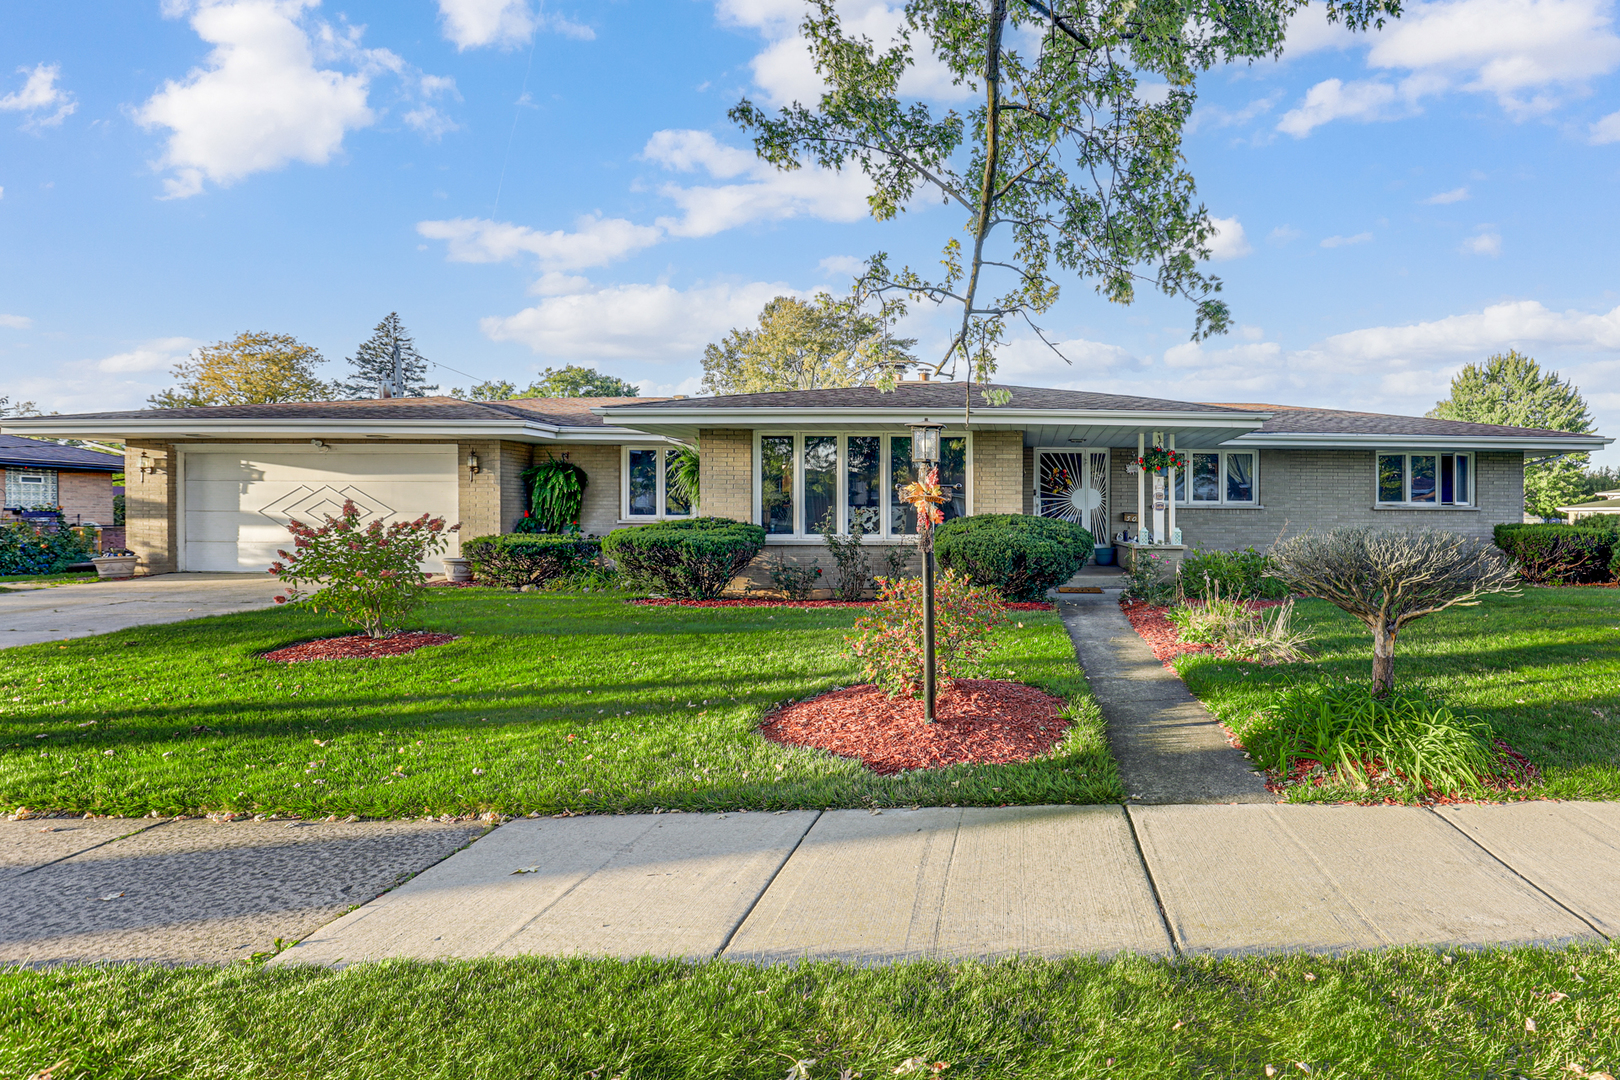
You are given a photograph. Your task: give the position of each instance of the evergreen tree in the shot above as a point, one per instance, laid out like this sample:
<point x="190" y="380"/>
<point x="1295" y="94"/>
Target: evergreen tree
<point x="373" y="362"/>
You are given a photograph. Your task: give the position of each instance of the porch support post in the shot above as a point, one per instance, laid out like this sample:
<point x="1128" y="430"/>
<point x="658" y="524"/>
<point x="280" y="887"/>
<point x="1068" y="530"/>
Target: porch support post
<point x="1141" y="479"/>
<point x="1170" y="534"/>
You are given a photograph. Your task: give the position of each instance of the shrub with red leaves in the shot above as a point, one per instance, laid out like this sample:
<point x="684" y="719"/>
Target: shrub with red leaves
<point x="367" y="575"/>
<point x="889" y="642"/>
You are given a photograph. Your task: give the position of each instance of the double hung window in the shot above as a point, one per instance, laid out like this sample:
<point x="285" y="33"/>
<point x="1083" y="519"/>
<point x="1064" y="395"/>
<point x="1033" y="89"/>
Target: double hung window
<point x="806" y="481"/>
<point x="1219" y="478"/>
<point x="1424" y="480"/>
<point x="650" y="489"/>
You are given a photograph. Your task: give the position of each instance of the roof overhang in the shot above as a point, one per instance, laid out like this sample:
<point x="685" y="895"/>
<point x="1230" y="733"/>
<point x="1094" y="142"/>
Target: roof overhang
<point x="168" y="429"/>
<point x="684" y="423"/>
<point x="1574" y="444"/>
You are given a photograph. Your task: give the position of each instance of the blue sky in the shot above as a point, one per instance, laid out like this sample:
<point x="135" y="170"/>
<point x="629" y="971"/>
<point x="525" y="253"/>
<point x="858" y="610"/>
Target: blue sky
<point x="534" y="185"/>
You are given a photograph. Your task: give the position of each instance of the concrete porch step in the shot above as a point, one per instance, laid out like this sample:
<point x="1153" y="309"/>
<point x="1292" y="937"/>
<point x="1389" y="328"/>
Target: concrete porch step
<point x="1092" y="578"/>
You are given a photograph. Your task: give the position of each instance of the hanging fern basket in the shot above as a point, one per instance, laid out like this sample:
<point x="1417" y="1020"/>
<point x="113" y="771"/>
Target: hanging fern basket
<point x="556" y="494"/>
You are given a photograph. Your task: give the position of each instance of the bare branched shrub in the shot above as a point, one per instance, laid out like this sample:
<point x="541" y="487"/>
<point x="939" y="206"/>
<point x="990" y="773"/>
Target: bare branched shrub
<point x="1389" y="578"/>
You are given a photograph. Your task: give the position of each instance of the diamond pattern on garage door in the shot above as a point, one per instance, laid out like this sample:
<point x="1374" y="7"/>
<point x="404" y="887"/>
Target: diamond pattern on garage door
<point x="314" y="505"/>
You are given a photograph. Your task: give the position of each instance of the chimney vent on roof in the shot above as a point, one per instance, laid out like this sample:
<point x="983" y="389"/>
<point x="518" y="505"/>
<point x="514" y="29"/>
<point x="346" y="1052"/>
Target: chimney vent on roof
<point x="680" y="397"/>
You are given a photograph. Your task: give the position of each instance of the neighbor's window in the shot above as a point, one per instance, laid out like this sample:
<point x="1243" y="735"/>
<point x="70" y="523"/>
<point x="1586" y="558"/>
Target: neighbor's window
<point x="843" y="478"/>
<point x="650" y="492"/>
<point x="1422" y="480"/>
<point x="1218" y="478"/>
<point x="30" y="488"/>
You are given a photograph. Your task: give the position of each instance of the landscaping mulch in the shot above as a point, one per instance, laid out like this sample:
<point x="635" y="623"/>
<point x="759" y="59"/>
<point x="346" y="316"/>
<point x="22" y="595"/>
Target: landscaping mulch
<point x="358" y="646"/>
<point x="752" y="601"/>
<point x="1151" y="624"/>
<point x="978" y="721"/>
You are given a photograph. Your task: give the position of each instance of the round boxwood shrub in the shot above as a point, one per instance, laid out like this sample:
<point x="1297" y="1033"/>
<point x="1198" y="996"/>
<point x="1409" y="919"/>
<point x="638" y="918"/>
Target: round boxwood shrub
<point x="693" y="559"/>
<point x="1017" y="555"/>
<point x="517" y="559"/>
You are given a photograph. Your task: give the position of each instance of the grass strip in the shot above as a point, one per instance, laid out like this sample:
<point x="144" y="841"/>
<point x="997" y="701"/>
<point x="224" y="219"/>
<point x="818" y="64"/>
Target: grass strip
<point x="547" y="703"/>
<point x="1531" y="1013"/>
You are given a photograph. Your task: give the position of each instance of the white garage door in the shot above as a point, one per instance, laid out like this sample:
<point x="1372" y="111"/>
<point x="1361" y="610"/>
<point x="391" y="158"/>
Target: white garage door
<point x="238" y="499"/>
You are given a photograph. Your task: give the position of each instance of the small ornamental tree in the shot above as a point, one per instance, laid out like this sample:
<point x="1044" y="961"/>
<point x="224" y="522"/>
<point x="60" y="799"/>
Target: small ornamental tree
<point x="1390" y="578"/>
<point x="889" y="642"/>
<point x="367" y="575"/>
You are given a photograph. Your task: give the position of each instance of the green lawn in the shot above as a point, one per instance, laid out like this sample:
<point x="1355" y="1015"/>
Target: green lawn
<point x="548" y="702"/>
<point x="1400" y="1013"/>
<point x="1542" y="668"/>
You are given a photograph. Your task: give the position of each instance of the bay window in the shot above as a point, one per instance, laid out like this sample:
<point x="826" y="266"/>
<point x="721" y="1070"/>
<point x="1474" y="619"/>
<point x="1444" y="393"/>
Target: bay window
<point x="650" y="491"/>
<point x="807" y="480"/>
<point x="1219" y="478"/>
<point x="1424" y="480"/>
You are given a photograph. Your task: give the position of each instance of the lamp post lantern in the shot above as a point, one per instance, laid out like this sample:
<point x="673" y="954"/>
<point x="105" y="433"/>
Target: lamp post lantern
<point x="926" y="495"/>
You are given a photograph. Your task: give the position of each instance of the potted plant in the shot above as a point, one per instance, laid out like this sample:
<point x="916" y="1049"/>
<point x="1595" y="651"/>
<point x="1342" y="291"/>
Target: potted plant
<point x="1104" y="554"/>
<point x="115" y="564"/>
<point x="457" y="569"/>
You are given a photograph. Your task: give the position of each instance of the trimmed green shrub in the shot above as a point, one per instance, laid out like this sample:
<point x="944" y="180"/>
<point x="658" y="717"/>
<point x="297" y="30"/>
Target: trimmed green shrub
<point x="517" y="559"/>
<point x="1232" y="575"/>
<point x="1017" y="555"/>
<point x="1562" y="554"/>
<point x="25" y="549"/>
<point x="689" y="560"/>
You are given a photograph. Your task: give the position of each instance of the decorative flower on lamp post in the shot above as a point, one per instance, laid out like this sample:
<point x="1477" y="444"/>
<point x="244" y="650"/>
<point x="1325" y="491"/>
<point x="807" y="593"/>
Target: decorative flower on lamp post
<point x="926" y="495"/>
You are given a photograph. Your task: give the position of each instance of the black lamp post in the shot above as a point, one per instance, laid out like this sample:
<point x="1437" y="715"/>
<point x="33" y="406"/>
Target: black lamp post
<point x="925" y="456"/>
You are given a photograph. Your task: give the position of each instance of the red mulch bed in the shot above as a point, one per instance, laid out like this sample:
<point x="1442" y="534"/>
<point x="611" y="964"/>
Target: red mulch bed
<point x="754" y="601"/>
<point x="1513" y="774"/>
<point x="978" y="721"/>
<point x="1150" y="623"/>
<point x="358" y="646"/>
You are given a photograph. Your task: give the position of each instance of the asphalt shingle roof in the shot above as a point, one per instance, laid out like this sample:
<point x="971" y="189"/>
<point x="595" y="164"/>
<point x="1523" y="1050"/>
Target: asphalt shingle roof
<point x="565" y="412"/>
<point x="936" y="395"/>
<point x="16" y="450"/>
<point x="1297" y="420"/>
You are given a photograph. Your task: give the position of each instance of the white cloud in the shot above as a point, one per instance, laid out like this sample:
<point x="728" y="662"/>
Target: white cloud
<point x="1487" y="242"/>
<point x="1529" y="54"/>
<point x="655" y="322"/>
<point x="426" y="117"/>
<point x="1446" y="197"/>
<point x="768" y="194"/>
<point x="1228" y="241"/>
<point x="1606" y="130"/>
<point x="16" y="322"/>
<point x="160" y="354"/>
<point x="1217" y="116"/>
<point x="1283" y="235"/>
<point x="46" y="104"/>
<point x="1516" y="324"/>
<point x="842" y="264"/>
<point x="1346" y="241"/>
<point x="595" y="241"/>
<point x="470" y="24"/>
<point x="260" y="102"/>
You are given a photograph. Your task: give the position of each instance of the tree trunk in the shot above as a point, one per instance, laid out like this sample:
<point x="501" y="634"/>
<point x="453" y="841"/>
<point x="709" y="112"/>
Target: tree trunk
<point x="1383" y="672"/>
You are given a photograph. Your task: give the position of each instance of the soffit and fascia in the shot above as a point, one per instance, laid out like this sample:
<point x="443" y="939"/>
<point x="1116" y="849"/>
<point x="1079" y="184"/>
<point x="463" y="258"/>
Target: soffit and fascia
<point x="235" y="429"/>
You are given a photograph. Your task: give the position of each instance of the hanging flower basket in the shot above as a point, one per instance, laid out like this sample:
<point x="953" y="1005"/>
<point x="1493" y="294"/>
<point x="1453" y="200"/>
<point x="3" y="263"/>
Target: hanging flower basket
<point x="1159" y="459"/>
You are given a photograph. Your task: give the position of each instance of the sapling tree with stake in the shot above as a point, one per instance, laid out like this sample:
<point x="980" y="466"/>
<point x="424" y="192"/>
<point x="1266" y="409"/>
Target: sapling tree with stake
<point x="1070" y="161"/>
<point x="1390" y="578"/>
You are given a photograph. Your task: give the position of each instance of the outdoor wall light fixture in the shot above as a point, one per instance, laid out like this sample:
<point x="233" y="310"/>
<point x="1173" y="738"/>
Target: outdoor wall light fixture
<point x="925" y="443"/>
<point x="472" y="464"/>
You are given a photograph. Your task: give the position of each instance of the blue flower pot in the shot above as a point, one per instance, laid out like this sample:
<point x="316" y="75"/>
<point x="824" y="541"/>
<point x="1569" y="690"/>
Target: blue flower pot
<point x="1105" y="556"/>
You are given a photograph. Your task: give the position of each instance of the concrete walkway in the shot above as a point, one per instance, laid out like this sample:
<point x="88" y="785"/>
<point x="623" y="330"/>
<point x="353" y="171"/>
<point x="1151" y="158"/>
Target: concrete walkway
<point x="1170" y="749"/>
<point x="33" y="615"/>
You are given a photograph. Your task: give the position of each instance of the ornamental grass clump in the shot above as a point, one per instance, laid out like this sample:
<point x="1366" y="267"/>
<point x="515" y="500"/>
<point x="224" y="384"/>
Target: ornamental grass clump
<point x="1346" y="737"/>
<point x="369" y="575"/>
<point x="1264" y="635"/>
<point x="889" y="641"/>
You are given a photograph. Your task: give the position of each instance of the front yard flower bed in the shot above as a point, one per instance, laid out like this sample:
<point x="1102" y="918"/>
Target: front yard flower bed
<point x="1151" y="624"/>
<point x="755" y="601"/>
<point x="358" y="647"/>
<point x="979" y="722"/>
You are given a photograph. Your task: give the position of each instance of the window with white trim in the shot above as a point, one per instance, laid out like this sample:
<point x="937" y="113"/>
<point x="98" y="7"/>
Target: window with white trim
<point x="805" y="479"/>
<point x="29" y="488"/>
<point x="1219" y="478"/>
<point x="650" y="492"/>
<point x="1424" y="480"/>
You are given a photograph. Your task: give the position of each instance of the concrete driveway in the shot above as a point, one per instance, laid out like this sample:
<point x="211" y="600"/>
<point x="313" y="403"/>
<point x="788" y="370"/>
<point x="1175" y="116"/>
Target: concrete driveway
<point x="69" y="611"/>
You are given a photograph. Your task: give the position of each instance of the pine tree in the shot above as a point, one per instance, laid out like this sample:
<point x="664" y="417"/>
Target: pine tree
<point x="373" y="362"/>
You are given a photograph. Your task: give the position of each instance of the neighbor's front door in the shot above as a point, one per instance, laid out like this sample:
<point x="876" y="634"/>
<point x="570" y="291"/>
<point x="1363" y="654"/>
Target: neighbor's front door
<point x="1073" y="485"/>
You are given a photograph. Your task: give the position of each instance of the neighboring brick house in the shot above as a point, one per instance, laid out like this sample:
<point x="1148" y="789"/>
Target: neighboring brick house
<point x="41" y="474"/>
<point x="212" y="488"/>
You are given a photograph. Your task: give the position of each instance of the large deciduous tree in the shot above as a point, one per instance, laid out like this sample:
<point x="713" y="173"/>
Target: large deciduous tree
<point x="1389" y="578"/>
<point x="252" y="368"/>
<point x="807" y="345"/>
<point x="373" y="363"/>
<point x="1070" y="161"/>
<point x="1510" y="388"/>
<point x="573" y="380"/>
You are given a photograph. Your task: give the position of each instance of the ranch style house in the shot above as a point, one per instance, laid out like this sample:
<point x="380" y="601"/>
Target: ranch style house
<point x="212" y="489"/>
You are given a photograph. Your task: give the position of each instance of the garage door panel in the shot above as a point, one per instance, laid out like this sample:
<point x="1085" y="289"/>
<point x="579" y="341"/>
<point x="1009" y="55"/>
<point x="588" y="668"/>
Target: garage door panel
<point x="238" y="503"/>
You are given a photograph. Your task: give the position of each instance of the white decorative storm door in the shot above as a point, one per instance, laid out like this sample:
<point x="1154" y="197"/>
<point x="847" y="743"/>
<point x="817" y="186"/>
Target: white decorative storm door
<point x="1073" y="485"/>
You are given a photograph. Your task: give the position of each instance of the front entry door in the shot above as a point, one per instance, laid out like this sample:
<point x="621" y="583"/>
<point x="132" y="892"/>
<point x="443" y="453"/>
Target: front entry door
<point x="1073" y="485"/>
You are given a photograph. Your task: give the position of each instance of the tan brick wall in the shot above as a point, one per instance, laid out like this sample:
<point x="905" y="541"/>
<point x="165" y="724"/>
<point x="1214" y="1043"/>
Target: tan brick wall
<point x="150" y="504"/>
<point x="600" y="513"/>
<point x="479" y="495"/>
<point x="726" y="473"/>
<point x="998" y="472"/>
<point x="85" y="496"/>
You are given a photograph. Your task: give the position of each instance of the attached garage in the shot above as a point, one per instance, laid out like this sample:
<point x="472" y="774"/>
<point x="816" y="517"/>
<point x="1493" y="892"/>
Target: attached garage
<point x="236" y="500"/>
